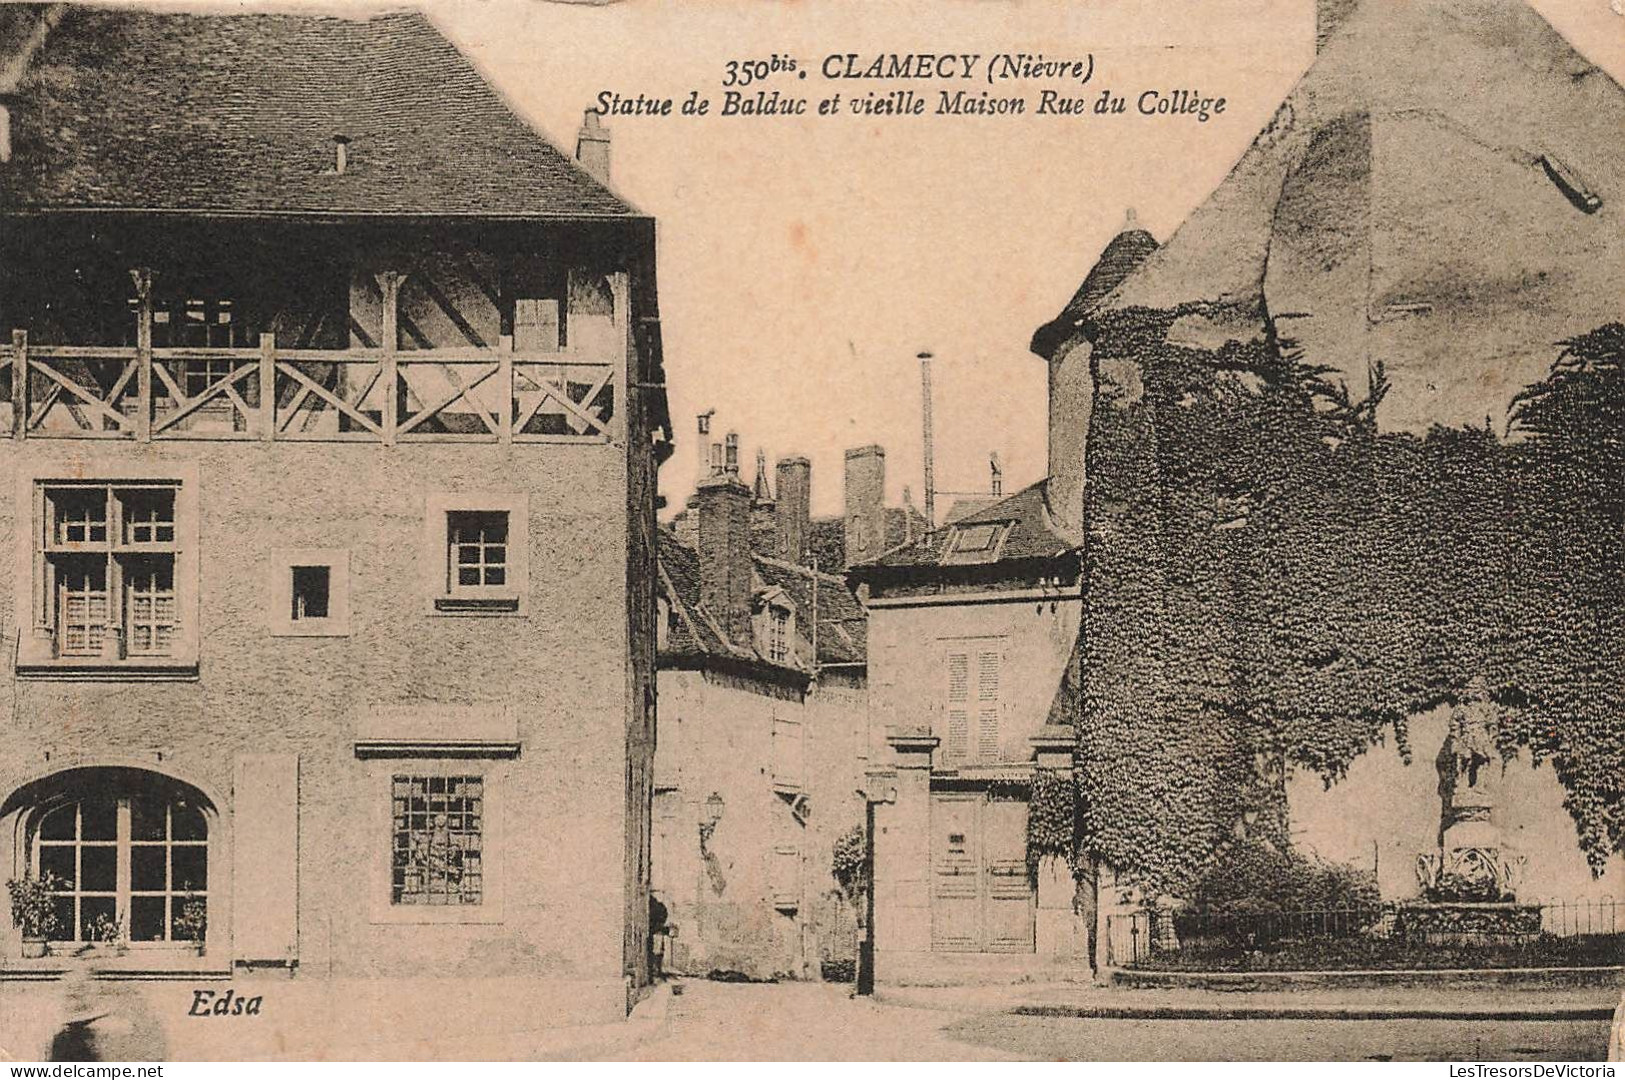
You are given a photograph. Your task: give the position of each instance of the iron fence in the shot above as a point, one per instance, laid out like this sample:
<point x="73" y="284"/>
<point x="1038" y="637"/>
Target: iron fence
<point x="1557" y="932"/>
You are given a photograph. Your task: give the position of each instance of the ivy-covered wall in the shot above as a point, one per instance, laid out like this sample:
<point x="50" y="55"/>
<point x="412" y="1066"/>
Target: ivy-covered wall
<point x="1271" y="580"/>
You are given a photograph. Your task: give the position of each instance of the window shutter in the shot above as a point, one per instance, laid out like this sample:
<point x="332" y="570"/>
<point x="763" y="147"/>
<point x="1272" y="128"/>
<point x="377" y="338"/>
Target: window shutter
<point x="987" y="704"/>
<point x="786" y="877"/>
<point x="958" y="747"/>
<point x="265" y="878"/>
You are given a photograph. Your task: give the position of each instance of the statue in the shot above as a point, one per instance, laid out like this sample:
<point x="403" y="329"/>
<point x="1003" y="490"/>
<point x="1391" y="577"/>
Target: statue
<point x="1471" y="864"/>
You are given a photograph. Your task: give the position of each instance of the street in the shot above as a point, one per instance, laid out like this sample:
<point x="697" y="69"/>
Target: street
<point x="801" y="1021"/>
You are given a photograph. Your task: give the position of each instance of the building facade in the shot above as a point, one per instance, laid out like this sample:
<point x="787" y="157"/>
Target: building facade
<point x="973" y="633"/>
<point x="763" y="736"/>
<point x="334" y="415"/>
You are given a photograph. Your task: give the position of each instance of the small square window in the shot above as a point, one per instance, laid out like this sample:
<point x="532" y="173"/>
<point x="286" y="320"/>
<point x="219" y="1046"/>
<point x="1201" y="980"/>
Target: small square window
<point x="311" y="591"/>
<point x="474" y="558"/>
<point x="308" y="592"/>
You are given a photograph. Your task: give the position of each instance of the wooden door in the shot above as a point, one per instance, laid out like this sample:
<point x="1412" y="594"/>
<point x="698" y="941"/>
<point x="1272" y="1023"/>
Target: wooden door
<point x="956" y="878"/>
<point x="981" y="895"/>
<point x="1007" y="908"/>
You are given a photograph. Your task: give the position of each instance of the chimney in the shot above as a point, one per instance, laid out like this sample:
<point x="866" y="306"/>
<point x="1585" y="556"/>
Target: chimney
<point x="794" y="507"/>
<point x="865" y="504"/>
<point x="702" y="432"/>
<point x="730" y="452"/>
<point x="995" y="480"/>
<point x="1329" y="15"/>
<point x="722" y="505"/>
<point x="341" y="154"/>
<point x="5" y="131"/>
<point x="592" y="147"/>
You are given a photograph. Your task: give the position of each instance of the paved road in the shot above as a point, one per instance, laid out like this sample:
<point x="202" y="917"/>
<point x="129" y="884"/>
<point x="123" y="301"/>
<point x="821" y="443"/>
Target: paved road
<point x="711" y="1021"/>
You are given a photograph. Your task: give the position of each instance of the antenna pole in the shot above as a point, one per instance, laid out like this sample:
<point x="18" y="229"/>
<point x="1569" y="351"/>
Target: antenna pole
<point x="930" y="468"/>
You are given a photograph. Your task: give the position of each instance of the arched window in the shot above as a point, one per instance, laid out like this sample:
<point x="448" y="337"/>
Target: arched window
<point x="130" y="854"/>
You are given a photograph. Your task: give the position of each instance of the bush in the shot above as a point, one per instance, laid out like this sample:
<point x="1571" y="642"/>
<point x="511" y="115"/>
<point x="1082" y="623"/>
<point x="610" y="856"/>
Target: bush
<point x="1255" y="878"/>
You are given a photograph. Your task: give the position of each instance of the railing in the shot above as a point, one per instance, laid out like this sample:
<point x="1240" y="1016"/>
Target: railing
<point x="375" y="395"/>
<point x="1577" y="932"/>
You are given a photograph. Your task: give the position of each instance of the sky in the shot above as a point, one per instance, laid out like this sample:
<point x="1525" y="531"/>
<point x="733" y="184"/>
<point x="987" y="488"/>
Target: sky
<point x="804" y="262"/>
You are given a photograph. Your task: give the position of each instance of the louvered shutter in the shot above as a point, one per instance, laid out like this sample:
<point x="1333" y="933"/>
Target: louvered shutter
<point x="987" y="704"/>
<point x="958" y="748"/>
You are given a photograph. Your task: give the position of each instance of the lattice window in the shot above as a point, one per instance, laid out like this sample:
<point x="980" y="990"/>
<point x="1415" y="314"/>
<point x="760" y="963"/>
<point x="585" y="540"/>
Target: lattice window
<point x="478" y="543"/>
<point x="81" y="605"/>
<point x="778" y="635"/>
<point x="149" y="596"/>
<point x="109" y="585"/>
<point x="149" y="516"/>
<point x="438" y="855"/>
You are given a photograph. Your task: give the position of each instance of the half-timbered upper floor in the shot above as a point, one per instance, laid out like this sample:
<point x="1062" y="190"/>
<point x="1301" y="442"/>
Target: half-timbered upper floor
<point x="303" y="227"/>
<point x="176" y="328"/>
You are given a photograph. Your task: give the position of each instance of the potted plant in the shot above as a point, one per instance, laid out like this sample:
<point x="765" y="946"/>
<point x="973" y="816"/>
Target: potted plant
<point x="33" y="910"/>
<point x="192" y="924"/>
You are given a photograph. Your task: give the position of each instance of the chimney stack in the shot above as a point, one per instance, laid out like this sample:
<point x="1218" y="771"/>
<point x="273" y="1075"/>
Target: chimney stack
<point x="592" y="147"/>
<point x="865" y="504"/>
<point x="794" y="507"/>
<point x="5" y="131"/>
<point x="730" y="454"/>
<point x="722" y="505"/>
<point x="1329" y="15"/>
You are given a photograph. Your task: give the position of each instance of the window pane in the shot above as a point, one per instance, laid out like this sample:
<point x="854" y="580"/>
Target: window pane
<point x="187" y="822"/>
<point x="57" y="859"/>
<point x="146" y="819"/>
<point x="194" y="907"/>
<point x="310" y="591"/>
<point x="61" y="823"/>
<point x="62" y="906"/>
<point x="99" y="865"/>
<point x="100" y="819"/>
<point x="146" y="918"/>
<point x="190" y="864"/>
<point x="495" y="575"/>
<point x="93" y="909"/>
<point x="148" y="872"/>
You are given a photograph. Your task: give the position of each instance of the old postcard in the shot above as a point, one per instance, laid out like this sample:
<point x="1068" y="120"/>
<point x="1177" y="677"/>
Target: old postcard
<point x="945" y="530"/>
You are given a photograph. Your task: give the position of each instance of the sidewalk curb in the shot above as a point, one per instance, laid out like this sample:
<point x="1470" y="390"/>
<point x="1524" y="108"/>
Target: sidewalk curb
<point x="1328" y="1012"/>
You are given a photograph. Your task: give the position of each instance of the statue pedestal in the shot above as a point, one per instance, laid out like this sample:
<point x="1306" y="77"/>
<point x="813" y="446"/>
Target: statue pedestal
<point x="1462" y="923"/>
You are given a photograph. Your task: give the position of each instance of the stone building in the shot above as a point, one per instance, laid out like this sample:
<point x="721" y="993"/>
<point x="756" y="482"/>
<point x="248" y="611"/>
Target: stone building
<point x="334" y="402"/>
<point x="972" y="629"/>
<point x="1440" y="194"/>
<point x="763" y="685"/>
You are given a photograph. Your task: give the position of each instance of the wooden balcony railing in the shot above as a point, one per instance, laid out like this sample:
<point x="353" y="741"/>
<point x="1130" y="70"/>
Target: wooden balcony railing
<point x="388" y="396"/>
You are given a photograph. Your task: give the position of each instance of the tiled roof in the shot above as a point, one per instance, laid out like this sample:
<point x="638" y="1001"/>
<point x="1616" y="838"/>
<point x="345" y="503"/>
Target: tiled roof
<point x="827" y="536"/>
<point x="1127" y="250"/>
<point x="125" y="109"/>
<point x="842" y="622"/>
<point x="1032" y="534"/>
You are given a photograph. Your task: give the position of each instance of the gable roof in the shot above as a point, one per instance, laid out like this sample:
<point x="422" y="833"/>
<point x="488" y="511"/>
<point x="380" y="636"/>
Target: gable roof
<point x="141" y="110"/>
<point x="1032" y="534"/>
<point x="696" y="632"/>
<point x="1443" y="190"/>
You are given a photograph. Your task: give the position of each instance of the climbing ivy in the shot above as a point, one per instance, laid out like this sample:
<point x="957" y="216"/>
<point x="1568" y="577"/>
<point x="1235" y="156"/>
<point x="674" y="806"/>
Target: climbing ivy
<point x="1051" y="816"/>
<point x="1273" y="582"/>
